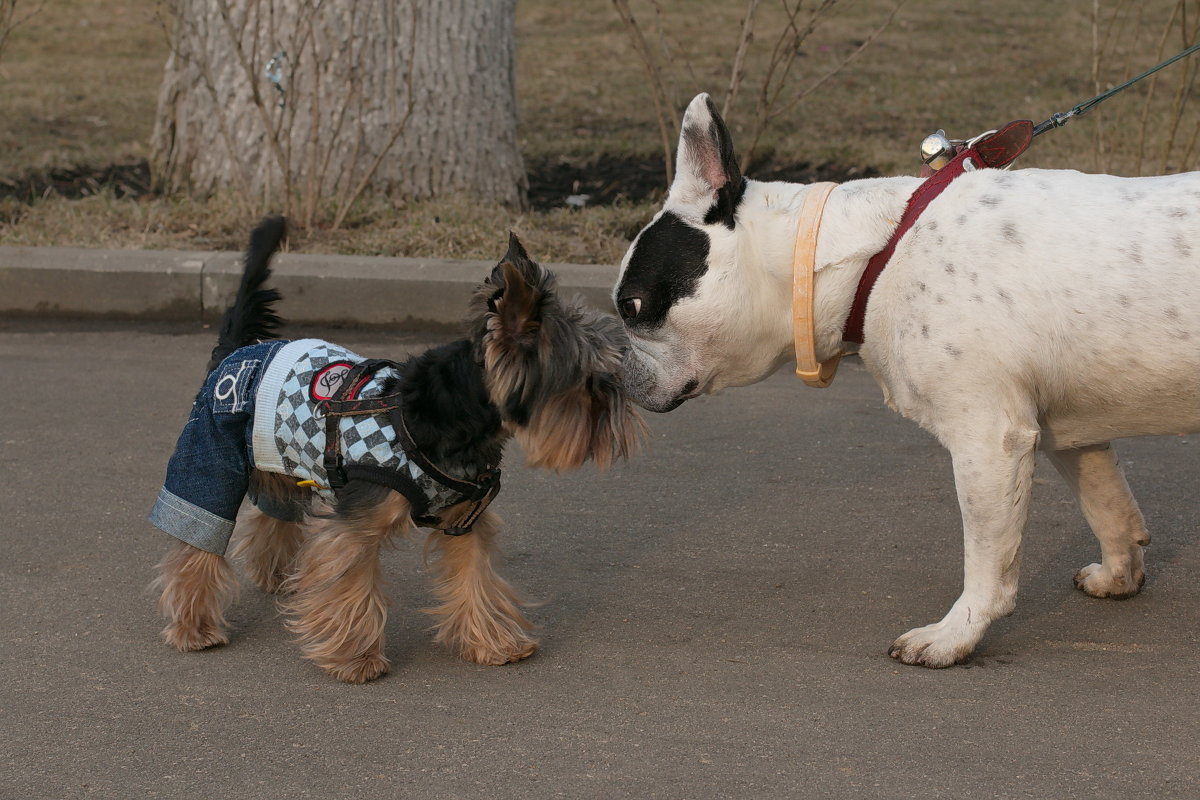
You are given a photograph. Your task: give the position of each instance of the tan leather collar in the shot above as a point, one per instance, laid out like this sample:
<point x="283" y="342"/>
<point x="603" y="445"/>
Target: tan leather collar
<point x="808" y="369"/>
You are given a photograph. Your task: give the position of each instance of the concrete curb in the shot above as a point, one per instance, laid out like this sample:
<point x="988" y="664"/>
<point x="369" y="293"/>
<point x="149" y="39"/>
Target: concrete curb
<point x="196" y="286"/>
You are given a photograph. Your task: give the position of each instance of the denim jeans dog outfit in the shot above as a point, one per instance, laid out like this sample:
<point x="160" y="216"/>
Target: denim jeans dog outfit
<point x="270" y="407"/>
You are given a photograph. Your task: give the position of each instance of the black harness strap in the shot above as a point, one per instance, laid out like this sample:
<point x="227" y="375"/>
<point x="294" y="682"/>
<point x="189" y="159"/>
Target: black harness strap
<point x="343" y="404"/>
<point x="392" y="479"/>
<point x="479" y="493"/>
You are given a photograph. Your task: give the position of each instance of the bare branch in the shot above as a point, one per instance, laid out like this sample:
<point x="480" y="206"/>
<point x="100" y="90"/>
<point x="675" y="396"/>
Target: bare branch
<point x="668" y="117"/>
<point x="816" y="84"/>
<point x="1143" y="123"/>
<point x="348" y="202"/>
<point x="10" y="20"/>
<point x="768" y="108"/>
<point x="739" y="57"/>
<point x="248" y="68"/>
<point x="241" y="180"/>
<point x="679" y="53"/>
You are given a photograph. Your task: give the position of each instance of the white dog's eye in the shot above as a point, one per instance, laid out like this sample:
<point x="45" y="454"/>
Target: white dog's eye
<point x="630" y="307"/>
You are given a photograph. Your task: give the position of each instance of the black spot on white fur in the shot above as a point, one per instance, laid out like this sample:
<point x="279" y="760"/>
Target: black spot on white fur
<point x="1009" y="230"/>
<point x="667" y="262"/>
<point x="724" y="211"/>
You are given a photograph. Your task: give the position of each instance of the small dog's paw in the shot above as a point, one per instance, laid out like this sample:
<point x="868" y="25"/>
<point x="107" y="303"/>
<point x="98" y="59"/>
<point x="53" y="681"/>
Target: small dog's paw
<point x="187" y="639"/>
<point x="935" y="646"/>
<point x="516" y="650"/>
<point x="360" y="669"/>
<point x="1094" y="580"/>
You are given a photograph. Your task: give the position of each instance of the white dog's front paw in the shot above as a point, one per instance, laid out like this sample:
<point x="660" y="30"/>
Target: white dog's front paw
<point x="1118" y="583"/>
<point x="938" y="645"/>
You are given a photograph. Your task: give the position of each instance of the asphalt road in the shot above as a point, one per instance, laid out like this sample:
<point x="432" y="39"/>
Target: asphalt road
<point x="715" y="617"/>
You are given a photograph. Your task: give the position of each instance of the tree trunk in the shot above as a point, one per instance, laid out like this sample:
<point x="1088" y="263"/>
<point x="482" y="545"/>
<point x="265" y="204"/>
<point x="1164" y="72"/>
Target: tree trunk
<point x="304" y="104"/>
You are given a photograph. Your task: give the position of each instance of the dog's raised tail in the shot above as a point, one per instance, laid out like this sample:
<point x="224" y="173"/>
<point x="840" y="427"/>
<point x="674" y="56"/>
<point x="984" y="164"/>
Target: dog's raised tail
<point x="251" y="317"/>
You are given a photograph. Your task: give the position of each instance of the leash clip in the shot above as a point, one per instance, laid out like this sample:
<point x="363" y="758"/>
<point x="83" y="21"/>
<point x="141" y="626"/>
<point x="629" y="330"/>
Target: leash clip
<point x="335" y="472"/>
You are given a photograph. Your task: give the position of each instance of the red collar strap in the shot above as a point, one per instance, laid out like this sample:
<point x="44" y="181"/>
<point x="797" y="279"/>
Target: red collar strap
<point x="996" y="150"/>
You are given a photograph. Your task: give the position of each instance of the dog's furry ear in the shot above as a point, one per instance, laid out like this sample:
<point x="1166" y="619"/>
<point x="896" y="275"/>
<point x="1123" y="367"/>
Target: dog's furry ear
<point x="519" y="306"/>
<point x="708" y="183"/>
<point x="516" y="250"/>
<point x="507" y="318"/>
<point x="520" y="288"/>
<point x="596" y="421"/>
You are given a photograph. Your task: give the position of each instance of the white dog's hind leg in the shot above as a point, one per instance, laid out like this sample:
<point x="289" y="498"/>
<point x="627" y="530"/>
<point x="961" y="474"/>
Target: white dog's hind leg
<point x="1113" y="514"/>
<point x="993" y="471"/>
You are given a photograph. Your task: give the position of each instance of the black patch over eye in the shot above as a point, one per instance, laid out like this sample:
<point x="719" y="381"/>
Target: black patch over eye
<point x="666" y="265"/>
<point x="629" y="307"/>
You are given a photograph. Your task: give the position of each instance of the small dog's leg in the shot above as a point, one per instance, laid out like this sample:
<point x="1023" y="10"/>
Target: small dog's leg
<point x="1113" y="514"/>
<point x="479" y="617"/>
<point x="270" y="529"/>
<point x="267" y="547"/>
<point x="197" y="587"/>
<point x="337" y="603"/>
<point x="993" y="471"/>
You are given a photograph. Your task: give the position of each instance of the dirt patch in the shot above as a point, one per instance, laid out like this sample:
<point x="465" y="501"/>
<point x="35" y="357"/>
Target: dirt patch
<point x="606" y="180"/>
<point x="123" y="180"/>
<point x="553" y="183"/>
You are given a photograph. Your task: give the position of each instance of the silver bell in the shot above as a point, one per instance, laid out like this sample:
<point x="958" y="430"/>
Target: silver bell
<point x="936" y="150"/>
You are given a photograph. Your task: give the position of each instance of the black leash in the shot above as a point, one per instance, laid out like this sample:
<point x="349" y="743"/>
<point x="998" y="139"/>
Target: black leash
<point x="1059" y="119"/>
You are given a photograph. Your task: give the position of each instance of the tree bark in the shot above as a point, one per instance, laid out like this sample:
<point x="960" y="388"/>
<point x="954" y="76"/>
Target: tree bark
<point x="306" y="103"/>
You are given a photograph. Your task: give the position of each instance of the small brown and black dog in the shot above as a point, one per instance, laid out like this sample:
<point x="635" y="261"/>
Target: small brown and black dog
<point x="413" y="444"/>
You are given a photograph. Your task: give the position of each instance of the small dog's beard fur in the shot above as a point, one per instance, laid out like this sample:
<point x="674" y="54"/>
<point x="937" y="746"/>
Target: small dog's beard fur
<point x="533" y="368"/>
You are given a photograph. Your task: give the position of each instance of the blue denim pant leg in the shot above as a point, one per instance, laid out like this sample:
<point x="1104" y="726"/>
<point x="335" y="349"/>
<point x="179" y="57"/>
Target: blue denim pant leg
<point x="208" y="475"/>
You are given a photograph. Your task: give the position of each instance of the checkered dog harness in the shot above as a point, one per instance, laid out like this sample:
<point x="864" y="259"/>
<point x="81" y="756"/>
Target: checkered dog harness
<point x="316" y="412"/>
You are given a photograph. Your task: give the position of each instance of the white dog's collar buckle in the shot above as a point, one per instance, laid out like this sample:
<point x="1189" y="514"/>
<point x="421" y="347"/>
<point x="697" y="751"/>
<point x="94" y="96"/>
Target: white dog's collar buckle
<point x="817" y="374"/>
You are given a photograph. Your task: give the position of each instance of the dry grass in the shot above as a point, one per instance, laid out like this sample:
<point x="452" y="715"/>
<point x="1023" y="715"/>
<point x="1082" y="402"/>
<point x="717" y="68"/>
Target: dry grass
<point x="78" y="85"/>
<point x="448" y="228"/>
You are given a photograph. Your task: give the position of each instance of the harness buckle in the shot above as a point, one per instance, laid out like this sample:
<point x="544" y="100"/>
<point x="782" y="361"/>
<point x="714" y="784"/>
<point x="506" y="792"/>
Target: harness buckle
<point x="335" y="472"/>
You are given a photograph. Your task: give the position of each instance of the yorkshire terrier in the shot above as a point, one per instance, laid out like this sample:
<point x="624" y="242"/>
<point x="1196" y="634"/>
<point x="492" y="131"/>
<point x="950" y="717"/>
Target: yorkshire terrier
<point x="337" y="453"/>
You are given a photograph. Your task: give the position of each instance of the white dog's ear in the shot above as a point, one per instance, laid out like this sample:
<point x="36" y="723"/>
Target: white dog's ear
<point x="708" y="183"/>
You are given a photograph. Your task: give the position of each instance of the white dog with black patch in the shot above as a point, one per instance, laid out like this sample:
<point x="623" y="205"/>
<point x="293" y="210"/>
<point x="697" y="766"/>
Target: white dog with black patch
<point x="1025" y="309"/>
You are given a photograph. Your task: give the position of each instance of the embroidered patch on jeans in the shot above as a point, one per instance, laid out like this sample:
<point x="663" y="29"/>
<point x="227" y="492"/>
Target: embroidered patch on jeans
<point x="234" y="386"/>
